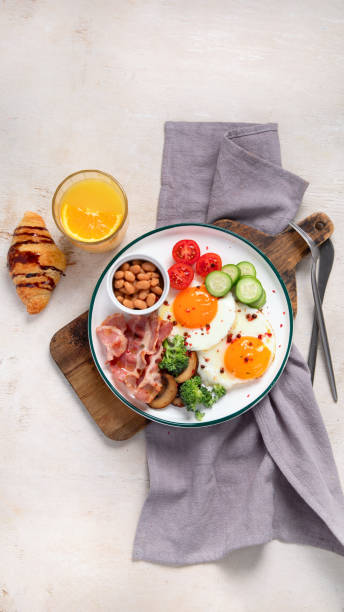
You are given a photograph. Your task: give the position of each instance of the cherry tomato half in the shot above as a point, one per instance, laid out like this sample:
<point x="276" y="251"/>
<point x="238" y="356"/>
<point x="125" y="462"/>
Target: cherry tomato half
<point x="180" y="275"/>
<point x="186" y="251"/>
<point x="208" y="263"/>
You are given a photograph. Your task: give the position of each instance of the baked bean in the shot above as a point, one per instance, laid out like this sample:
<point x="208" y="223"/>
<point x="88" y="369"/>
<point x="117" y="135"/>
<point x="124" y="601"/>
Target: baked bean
<point x="129" y="276"/>
<point x="142" y="295"/>
<point x="154" y="282"/>
<point x="141" y="304"/>
<point x="148" y="266"/>
<point x="136" y="262"/>
<point x="143" y="284"/>
<point x="120" y="297"/>
<point x="135" y="269"/>
<point x="119" y="274"/>
<point x="125" y="266"/>
<point x="119" y="283"/>
<point x="143" y="276"/>
<point x="150" y="299"/>
<point x="128" y="303"/>
<point x="155" y="275"/>
<point x="129" y="288"/>
<point x="157" y="290"/>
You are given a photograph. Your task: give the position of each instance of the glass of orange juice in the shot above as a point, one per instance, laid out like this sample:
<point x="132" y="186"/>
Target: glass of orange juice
<point x="91" y="208"/>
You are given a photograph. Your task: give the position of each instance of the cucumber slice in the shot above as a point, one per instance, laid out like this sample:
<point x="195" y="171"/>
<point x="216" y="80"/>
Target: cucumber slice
<point x="218" y="283"/>
<point x="248" y="290"/>
<point x="259" y="303"/>
<point x="246" y="268"/>
<point x="232" y="271"/>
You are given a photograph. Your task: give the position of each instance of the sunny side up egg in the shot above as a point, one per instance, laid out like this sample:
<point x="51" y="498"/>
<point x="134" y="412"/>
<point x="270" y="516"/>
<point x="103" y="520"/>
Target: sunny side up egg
<point x="200" y="317"/>
<point x="244" y="355"/>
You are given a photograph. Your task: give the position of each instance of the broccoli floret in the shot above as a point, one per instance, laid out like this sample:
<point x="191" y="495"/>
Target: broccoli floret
<point x="207" y="397"/>
<point x="218" y="392"/>
<point x="194" y="393"/>
<point x="175" y="359"/>
<point x="191" y="392"/>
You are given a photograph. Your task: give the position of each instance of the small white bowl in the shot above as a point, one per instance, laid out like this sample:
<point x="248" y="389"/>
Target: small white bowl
<point x="144" y="257"/>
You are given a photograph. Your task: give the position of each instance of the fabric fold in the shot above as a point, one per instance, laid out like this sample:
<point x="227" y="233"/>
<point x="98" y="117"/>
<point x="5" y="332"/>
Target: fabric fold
<point x="270" y="473"/>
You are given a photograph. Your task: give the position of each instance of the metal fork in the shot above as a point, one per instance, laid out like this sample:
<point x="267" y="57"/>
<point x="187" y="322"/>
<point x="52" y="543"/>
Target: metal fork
<point x="315" y="253"/>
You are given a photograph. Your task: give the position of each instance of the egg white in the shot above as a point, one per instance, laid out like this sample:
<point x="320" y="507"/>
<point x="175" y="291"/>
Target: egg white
<point x="212" y="361"/>
<point x="200" y="339"/>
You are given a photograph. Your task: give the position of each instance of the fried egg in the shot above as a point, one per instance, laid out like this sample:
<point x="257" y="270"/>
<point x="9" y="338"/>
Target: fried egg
<point x="200" y="317"/>
<point x="243" y="355"/>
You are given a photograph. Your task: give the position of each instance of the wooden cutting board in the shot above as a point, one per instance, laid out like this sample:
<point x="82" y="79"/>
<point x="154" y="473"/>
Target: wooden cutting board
<point x="70" y="349"/>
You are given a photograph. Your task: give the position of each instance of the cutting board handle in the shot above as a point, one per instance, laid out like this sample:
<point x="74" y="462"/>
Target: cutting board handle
<point x="287" y="248"/>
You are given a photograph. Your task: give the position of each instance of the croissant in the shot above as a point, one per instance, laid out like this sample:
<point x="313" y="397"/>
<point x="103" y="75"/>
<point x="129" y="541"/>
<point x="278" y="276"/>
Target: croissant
<point x="35" y="262"/>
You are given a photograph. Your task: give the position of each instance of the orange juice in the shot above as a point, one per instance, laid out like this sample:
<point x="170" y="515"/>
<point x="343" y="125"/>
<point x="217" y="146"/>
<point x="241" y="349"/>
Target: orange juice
<point x="90" y="207"/>
<point x="91" y="210"/>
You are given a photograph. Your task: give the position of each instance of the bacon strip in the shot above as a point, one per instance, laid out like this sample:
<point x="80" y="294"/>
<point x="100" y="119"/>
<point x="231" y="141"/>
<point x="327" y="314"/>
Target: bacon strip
<point x="111" y="334"/>
<point x="133" y="350"/>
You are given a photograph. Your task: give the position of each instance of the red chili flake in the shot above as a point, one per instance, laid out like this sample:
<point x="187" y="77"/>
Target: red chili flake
<point x="239" y="309"/>
<point x="238" y="335"/>
<point x="273" y="291"/>
<point x="169" y="317"/>
<point x="250" y="344"/>
<point x="245" y="359"/>
<point x="198" y="286"/>
<point x="260" y="336"/>
<point x="166" y="303"/>
<point x="284" y="313"/>
<point x="281" y="325"/>
<point x="168" y="433"/>
<point x="207" y="326"/>
<point x="248" y="395"/>
<point x="202" y="366"/>
<point x="268" y="334"/>
<point x="229" y="338"/>
<point x="279" y="346"/>
<point x="222" y="370"/>
<point x="188" y="353"/>
<point x="187" y="309"/>
<point x="206" y="248"/>
<point x="174" y="322"/>
<point x="207" y="359"/>
<point x="202" y="334"/>
<point x="251" y="317"/>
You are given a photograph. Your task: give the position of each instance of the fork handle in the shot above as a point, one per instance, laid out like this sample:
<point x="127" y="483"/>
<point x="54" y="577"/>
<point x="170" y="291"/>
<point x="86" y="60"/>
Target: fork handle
<point x="322" y="331"/>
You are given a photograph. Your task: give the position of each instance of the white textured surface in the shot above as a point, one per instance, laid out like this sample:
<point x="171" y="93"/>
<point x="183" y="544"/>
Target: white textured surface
<point x="90" y="84"/>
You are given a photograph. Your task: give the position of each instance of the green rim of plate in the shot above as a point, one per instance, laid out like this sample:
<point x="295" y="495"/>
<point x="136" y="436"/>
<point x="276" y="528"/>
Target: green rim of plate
<point x="215" y="421"/>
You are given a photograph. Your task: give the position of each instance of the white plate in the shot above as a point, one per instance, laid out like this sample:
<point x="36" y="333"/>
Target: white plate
<point x="232" y="248"/>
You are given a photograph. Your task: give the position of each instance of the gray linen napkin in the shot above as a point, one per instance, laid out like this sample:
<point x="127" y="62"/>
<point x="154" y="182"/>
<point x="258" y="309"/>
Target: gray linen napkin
<point x="270" y="473"/>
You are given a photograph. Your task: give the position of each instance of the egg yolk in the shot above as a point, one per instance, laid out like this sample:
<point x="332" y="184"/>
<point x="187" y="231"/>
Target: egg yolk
<point x="194" y="307"/>
<point x="247" y="357"/>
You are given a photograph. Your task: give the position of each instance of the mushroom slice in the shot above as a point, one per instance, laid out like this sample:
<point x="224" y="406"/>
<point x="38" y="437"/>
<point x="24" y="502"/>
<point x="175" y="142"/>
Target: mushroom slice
<point x="167" y="393"/>
<point x="190" y="369"/>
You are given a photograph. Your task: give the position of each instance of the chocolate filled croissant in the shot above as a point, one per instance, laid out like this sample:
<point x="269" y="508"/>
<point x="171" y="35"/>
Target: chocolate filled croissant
<point x="35" y="262"/>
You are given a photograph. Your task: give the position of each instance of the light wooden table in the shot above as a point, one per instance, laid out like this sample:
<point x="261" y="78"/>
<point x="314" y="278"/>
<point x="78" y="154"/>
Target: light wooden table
<point x="90" y="84"/>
